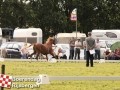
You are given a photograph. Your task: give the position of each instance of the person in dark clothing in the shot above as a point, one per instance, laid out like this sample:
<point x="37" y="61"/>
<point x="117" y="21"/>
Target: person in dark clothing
<point x="72" y="45"/>
<point x="90" y="45"/>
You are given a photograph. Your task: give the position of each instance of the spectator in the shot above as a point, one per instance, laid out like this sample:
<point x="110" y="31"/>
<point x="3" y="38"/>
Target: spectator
<point x="72" y="45"/>
<point x="90" y="45"/>
<point x="84" y="46"/>
<point x="61" y="53"/>
<point x="77" y="48"/>
<point x="24" y="51"/>
<point x="106" y="54"/>
<point x="97" y="50"/>
<point x="111" y="56"/>
<point x="117" y="54"/>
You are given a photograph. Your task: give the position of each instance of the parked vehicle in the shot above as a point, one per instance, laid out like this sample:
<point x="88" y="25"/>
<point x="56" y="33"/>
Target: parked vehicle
<point x="11" y="49"/>
<point x="30" y="35"/>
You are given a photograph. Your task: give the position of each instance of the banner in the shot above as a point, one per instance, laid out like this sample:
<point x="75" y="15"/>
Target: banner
<point x="5" y="81"/>
<point x="74" y="15"/>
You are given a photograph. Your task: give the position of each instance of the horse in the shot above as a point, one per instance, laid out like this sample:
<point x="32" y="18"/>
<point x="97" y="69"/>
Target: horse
<point x="44" y="49"/>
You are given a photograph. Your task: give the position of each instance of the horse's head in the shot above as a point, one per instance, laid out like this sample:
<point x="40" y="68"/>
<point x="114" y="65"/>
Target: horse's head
<point x="50" y="40"/>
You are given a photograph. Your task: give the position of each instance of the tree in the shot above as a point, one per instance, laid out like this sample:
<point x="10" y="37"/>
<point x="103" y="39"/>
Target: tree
<point x="53" y="16"/>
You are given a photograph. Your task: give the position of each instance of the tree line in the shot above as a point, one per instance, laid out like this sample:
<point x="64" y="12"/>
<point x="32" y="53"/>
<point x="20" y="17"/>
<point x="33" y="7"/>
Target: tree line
<point x="53" y="16"/>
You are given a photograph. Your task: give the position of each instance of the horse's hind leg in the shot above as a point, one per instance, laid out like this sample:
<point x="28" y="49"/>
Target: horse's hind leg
<point x="41" y="56"/>
<point x="37" y="56"/>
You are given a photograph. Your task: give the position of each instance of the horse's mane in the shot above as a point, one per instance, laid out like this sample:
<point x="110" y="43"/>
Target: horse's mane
<point x="48" y="40"/>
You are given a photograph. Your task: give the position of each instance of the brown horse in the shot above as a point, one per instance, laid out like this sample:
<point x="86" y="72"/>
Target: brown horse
<point x="43" y="48"/>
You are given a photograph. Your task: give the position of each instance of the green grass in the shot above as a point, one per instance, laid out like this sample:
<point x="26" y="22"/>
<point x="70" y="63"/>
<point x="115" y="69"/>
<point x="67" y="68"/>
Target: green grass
<point x="66" y="69"/>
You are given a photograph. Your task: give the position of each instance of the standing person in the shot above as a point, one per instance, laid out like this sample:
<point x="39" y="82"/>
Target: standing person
<point x="90" y="45"/>
<point x="84" y="46"/>
<point x="77" y="48"/>
<point x="24" y="51"/>
<point x="72" y="45"/>
<point x="97" y="50"/>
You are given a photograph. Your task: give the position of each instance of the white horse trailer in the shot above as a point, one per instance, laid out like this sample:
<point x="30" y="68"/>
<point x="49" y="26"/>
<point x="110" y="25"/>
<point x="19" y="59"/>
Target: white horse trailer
<point x="29" y="35"/>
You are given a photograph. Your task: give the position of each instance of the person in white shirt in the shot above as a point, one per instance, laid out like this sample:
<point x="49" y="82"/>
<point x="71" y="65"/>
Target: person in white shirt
<point x="97" y="50"/>
<point x="24" y="51"/>
<point x="77" y="48"/>
<point x="61" y="53"/>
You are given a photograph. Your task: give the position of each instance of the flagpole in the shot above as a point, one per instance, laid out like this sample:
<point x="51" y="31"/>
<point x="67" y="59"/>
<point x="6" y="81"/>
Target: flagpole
<point x="76" y="29"/>
<point x="76" y="23"/>
<point x="74" y="18"/>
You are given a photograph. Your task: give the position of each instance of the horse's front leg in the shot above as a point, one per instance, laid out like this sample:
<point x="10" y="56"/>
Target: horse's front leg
<point x="47" y="57"/>
<point x="54" y="55"/>
<point x="32" y="55"/>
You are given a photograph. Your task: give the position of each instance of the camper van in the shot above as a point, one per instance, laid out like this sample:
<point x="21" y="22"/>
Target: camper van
<point x="29" y="35"/>
<point x="63" y="39"/>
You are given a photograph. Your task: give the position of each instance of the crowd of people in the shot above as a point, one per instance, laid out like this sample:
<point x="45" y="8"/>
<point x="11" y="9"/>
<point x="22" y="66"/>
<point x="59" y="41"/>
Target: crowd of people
<point x="112" y="55"/>
<point x="93" y="46"/>
<point x="89" y="45"/>
<point x="76" y="45"/>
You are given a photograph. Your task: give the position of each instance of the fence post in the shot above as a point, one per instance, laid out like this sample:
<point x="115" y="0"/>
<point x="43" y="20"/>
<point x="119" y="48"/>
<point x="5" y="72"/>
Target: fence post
<point x="2" y="72"/>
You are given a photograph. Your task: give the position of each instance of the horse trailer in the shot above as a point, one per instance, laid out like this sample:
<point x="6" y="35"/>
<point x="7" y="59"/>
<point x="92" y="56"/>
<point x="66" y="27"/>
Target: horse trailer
<point x="29" y="35"/>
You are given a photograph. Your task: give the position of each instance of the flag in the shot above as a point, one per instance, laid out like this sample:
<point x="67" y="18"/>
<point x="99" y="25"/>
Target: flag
<point x="74" y="15"/>
<point x="5" y="81"/>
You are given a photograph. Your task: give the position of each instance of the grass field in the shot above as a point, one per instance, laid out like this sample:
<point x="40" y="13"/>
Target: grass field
<point x="66" y="69"/>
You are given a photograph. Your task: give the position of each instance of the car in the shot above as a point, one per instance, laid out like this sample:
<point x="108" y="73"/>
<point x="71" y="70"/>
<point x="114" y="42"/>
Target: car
<point x="11" y="49"/>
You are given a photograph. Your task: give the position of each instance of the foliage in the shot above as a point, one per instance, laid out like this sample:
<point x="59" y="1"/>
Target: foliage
<point x="53" y="16"/>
